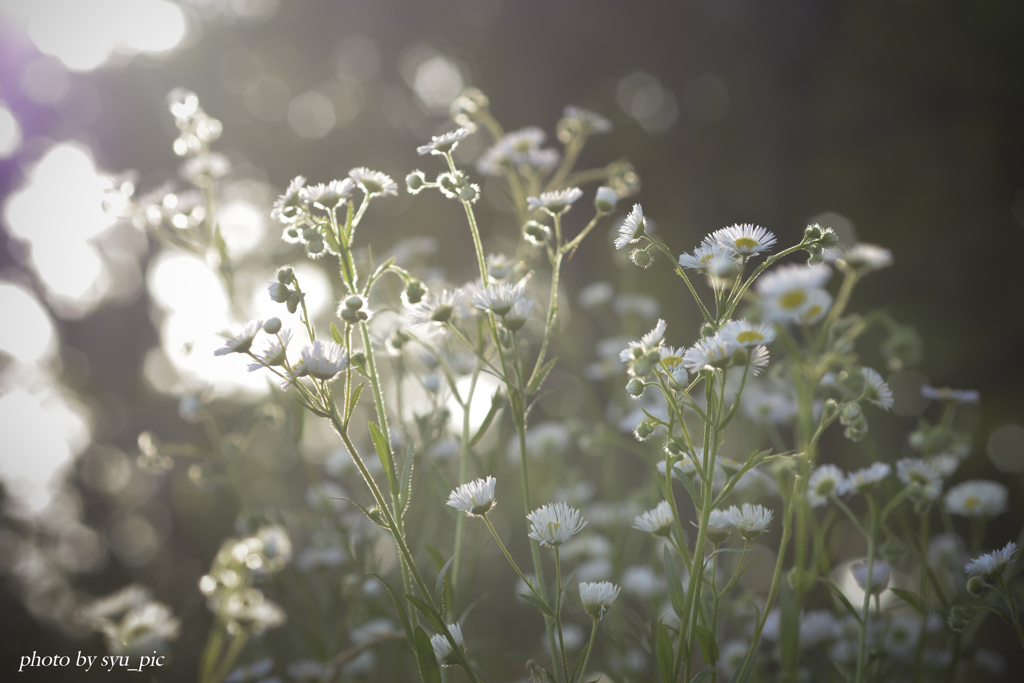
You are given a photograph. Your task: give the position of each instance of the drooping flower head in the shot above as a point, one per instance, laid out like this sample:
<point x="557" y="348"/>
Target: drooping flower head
<point x="632" y="228"/>
<point x="554" y="524"/>
<point x="876" y="390"/>
<point x="443" y="649"/>
<point x="597" y="597"/>
<point x="826" y="480"/>
<point x="993" y="563"/>
<point x="323" y="360"/>
<point x="499" y="298"/>
<point x="373" y="183"/>
<point x="288" y="206"/>
<point x="438" y="308"/>
<point x="443" y="144"/>
<point x="555" y="202"/>
<point x="475" y="498"/>
<point x="880" y="572"/>
<point x="867" y="478"/>
<point x="720" y="525"/>
<point x="241" y="342"/>
<point x="750" y="520"/>
<point x="657" y="521"/>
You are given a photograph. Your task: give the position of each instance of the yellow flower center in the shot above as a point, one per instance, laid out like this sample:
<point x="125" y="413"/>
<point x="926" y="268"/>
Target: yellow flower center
<point x="749" y="336"/>
<point x="747" y="243"/>
<point x="971" y="502"/>
<point x="793" y="299"/>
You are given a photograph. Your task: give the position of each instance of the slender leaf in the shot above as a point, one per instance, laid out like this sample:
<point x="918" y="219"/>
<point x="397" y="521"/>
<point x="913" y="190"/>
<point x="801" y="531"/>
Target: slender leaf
<point x="380" y="271"/>
<point x="675" y="584"/>
<point x="435" y="555"/>
<point x="369" y="515"/>
<point x="427" y="611"/>
<point x="429" y="670"/>
<point x="703" y="675"/>
<point x="380" y="444"/>
<point x="736" y="678"/>
<point x="536" y="602"/>
<point x="539" y="376"/>
<point x="692" y="490"/>
<point x="579" y="663"/>
<point x="708" y="646"/>
<point x="665" y="654"/>
<point x="355" y="397"/>
<point x="842" y="598"/>
<point x="439" y="584"/>
<point x="912" y="599"/>
<point x="405" y="486"/>
<point x="496" y="402"/>
<point x="399" y="607"/>
<point x="336" y="333"/>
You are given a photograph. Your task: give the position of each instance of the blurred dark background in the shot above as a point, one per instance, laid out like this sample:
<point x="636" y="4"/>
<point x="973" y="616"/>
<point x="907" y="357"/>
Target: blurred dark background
<point x="895" y="121"/>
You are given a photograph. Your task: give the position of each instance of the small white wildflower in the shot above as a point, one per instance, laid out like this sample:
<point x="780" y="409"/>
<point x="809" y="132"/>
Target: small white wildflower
<point x="862" y="257"/>
<point x="438" y="308"/>
<point x="606" y="199"/>
<point x="443" y="649"/>
<point x="288" y="206"/>
<point x="758" y="360"/>
<point x="704" y="255"/>
<point x="817" y="305"/>
<point x="977" y="498"/>
<point x="499" y="266"/>
<point x="748" y="334"/>
<point x="993" y="563"/>
<point x="330" y="195"/>
<point x="708" y="354"/>
<point x="786" y="292"/>
<point x="649" y="342"/>
<point x="443" y="144"/>
<point x="657" y="521"/>
<point x="917" y="471"/>
<point x="598" y="597"/>
<point x="880" y="572"/>
<point x="591" y="122"/>
<point x="672" y="362"/>
<point x="514" y="149"/>
<point x="947" y="394"/>
<point x="323" y="360"/>
<point x="556" y="201"/>
<point x="867" y="478"/>
<point x="750" y="520"/>
<point x="519" y="314"/>
<point x="554" y="524"/>
<point x="632" y="228"/>
<point x="499" y="298"/>
<point x="825" y="481"/>
<point x="475" y="498"/>
<point x="877" y="391"/>
<point x="274" y="354"/>
<point x="745" y="239"/>
<point x="720" y="525"/>
<point x="945" y="464"/>
<point x="241" y="342"/>
<point x="373" y="183"/>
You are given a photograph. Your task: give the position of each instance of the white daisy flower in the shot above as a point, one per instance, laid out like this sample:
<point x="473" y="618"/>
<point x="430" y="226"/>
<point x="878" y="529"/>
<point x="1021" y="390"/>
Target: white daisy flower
<point x="945" y="464"/>
<point x="977" y="498"/>
<point x="917" y="471"/>
<point x="880" y="572"/>
<point x="657" y="521"/>
<point x="241" y="342"/>
<point x="323" y="360"/>
<point x="993" y="563"/>
<point x="474" y="498"/>
<point x="786" y="292"/>
<point x="438" y="308"/>
<point x="514" y="149"/>
<point x="606" y="199"/>
<point x="862" y="257"/>
<point x="758" y="360"/>
<point x="328" y="195"/>
<point x="373" y="183"/>
<point x="743" y="238"/>
<point x="748" y="334"/>
<point x="554" y="524"/>
<point x="632" y="228"/>
<point x="590" y="121"/>
<point x="750" y="520"/>
<point x="519" y="314"/>
<point x="867" y="478"/>
<point x="817" y="305"/>
<point x="708" y="354"/>
<point x="443" y="649"/>
<point x="598" y="597"/>
<point x="825" y="481"/>
<point x="288" y="206"/>
<point x="637" y="350"/>
<point x="274" y="354"/>
<point x="720" y="525"/>
<point x="947" y="394"/>
<point x="499" y="298"/>
<point x="443" y="144"/>
<point x="705" y="256"/>
<point x="672" y="363"/>
<point x="556" y="201"/>
<point x="878" y="392"/>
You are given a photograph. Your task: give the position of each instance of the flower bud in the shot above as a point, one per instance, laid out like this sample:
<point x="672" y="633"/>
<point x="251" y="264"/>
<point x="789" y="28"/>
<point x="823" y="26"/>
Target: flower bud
<point x="536" y="233"/>
<point x="348" y="315"/>
<point x="958" y="618"/>
<point x="294" y="298"/>
<point x="606" y="199"/>
<point x="354" y="302"/>
<point x="415" y="291"/>
<point x="642" y="258"/>
<point x="279" y="293"/>
<point x="976" y="586"/>
<point x="469" y="193"/>
<point x="812" y="233"/>
<point x="315" y="248"/>
<point x="828" y="238"/>
<point x="272" y="326"/>
<point x="706" y="330"/>
<point x="415" y="181"/>
<point x="635" y="387"/>
<point x="285" y="275"/>
<point x="644" y="430"/>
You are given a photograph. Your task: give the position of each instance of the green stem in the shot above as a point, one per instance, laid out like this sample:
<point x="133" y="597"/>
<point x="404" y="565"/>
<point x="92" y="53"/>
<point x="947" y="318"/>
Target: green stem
<point x="558" y="615"/>
<point x="862" y="644"/>
<point x="1011" y="604"/>
<point x="590" y="649"/>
